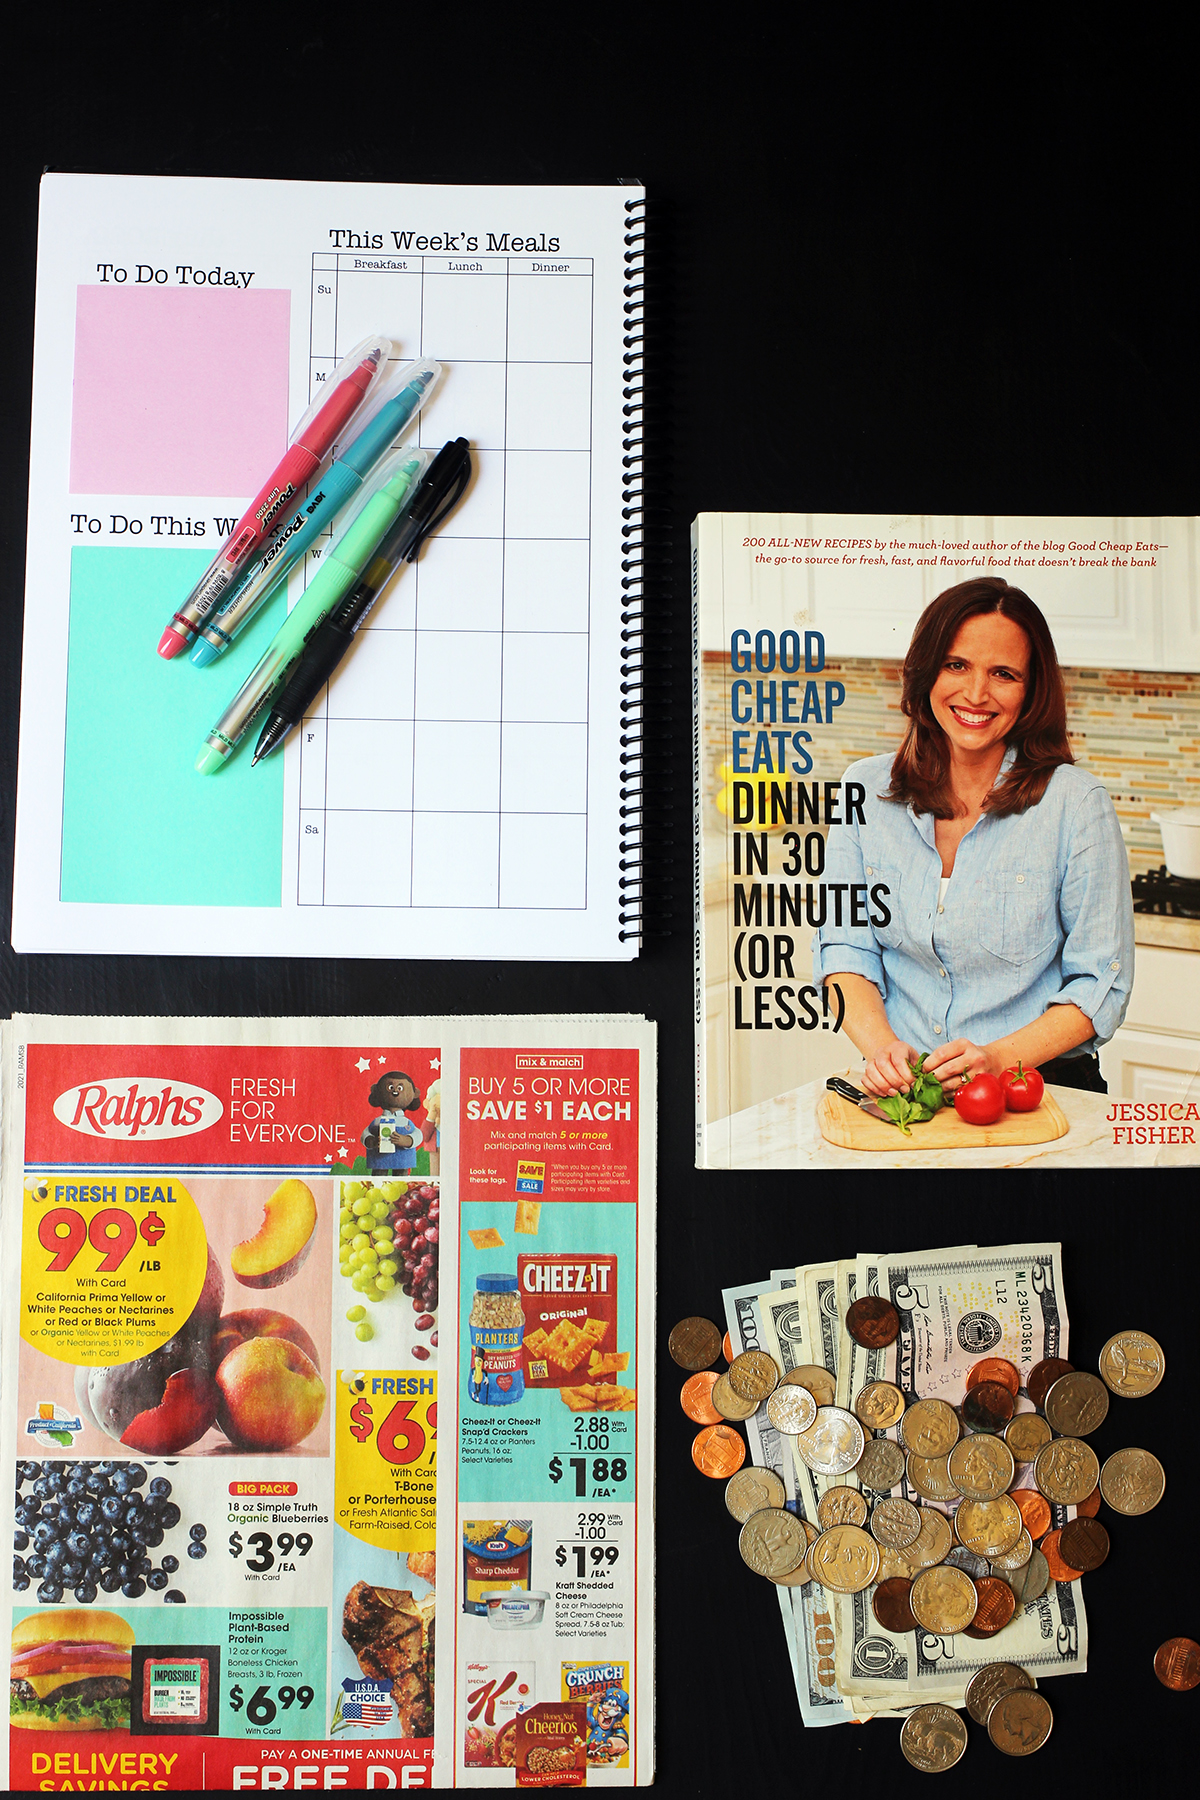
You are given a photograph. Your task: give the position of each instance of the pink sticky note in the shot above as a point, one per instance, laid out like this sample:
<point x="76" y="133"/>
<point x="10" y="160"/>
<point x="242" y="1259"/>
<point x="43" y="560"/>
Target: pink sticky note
<point x="178" y="390"/>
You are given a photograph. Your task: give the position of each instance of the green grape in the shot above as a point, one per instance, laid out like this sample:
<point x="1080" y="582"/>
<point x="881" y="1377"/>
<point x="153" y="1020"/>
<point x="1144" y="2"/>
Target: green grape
<point x="351" y="1191"/>
<point x="380" y="1209"/>
<point x="356" y="1313"/>
<point x="354" y="1262"/>
<point x="360" y="1241"/>
<point x="370" y="1294"/>
<point x="348" y="1232"/>
<point x="364" y="1332"/>
<point x="389" y="1266"/>
<point x="369" y="1260"/>
<point x="344" y="1214"/>
<point x="382" y="1234"/>
<point x="393" y="1191"/>
<point x="385" y="1283"/>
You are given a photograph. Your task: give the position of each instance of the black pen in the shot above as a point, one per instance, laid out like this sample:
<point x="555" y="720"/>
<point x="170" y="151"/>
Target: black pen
<point x="439" y="491"/>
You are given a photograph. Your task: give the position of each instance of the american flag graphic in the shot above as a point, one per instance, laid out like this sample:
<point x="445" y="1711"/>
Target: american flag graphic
<point x="367" y="1712"/>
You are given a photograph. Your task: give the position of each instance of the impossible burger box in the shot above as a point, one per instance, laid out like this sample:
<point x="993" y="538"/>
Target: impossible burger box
<point x="570" y="1305"/>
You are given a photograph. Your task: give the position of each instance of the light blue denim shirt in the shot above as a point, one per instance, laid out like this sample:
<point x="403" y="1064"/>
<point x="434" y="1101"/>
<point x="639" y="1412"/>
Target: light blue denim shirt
<point x="1038" y="912"/>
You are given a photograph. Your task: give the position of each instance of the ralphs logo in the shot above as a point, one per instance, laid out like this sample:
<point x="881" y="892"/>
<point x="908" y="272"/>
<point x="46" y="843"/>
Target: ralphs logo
<point x="127" y="1106"/>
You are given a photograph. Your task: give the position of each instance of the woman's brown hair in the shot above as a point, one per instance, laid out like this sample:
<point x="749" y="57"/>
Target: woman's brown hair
<point x="921" y="770"/>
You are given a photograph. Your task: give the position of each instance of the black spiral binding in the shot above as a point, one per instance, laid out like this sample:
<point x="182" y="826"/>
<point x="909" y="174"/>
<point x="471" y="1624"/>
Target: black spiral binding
<point x="633" y="546"/>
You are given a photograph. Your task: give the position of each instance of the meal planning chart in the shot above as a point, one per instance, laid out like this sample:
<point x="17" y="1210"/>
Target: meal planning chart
<point x="455" y="790"/>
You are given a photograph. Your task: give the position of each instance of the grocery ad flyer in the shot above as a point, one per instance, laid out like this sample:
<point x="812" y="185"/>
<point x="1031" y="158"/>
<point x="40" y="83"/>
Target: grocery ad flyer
<point x="259" y="1273"/>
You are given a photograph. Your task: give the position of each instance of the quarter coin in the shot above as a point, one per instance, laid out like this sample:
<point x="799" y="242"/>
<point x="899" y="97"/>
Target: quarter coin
<point x="750" y="1490"/>
<point x="933" y="1738"/>
<point x="879" y="1405"/>
<point x="930" y="1427"/>
<point x="987" y="1684"/>
<point x="1017" y="1557"/>
<point x="1026" y="1436"/>
<point x="997" y="1604"/>
<point x="890" y="1605"/>
<point x="729" y="1404"/>
<point x="791" y="1409"/>
<point x="833" y="1443"/>
<point x="845" y="1559"/>
<point x="1066" y="1471"/>
<point x="881" y="1465"/>
<point x="1177" y="1664"/>
<point x="895" y="1522"/>
<point x="1132" y="1482"/>
<point x="772" y="1542"/>
<point x="1034" y="1508"/>
<point x="841" y="1506"/>
<point x="695" y="1397"/>
<point x="934" y="1543"/>
<point x="873" y="1322"/>
<point x="982" y="1466"/>
<point x="930" y="1475"/>
<point x="718" y="1451"/>
<point x="989" y="1527"/>
<point x="1084" y="1544"/>
<point x="753" y="1375"/>
<point x="1077" y="1404"/>
<point x="1031" y="1582"/>
<point x="1060" y="1569"/>
<point x="1043" y="1375"/>
<point x="816" y="1379"/>
<point x="995" y="1368"/>
<point x="694" y="1343"/>
<point x="1132" y="1364"/>
<point x="943" y="1599"/>
<point x="1020" y="1722"/>
<point x="988" y="1407"/>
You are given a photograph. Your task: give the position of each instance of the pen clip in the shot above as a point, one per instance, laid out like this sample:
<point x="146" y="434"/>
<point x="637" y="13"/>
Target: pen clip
<point x="455" y="494"/>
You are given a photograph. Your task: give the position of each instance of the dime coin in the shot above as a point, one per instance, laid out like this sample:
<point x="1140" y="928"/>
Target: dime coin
<point x="1133" y="1482"/>
<point x="989" y="1527"/>
<point x="841" y="1506"/>
<point x="833" y="1443"/>
<point x="694" y="1343"/>
<point x="1020" y="1722"/>
<point x="895" y="1522"/>
<point x="772" y="1542"/>
<point x="930" y="1475"/>
<point x="997" y="1604"/>
<point x="1066" y="1471"/>
<point x="845" y="1559"/>
<point x="750" y="1490"/>
<point x="981" y="1467"/>
<point x="933" y="1737"/>
<point x="1132" y="1364"/>
<point x="1060" y="1569"/>
<point x="966" y="1560"/>
<point x="729" y="1404"/>
<point x="930" y="1427"/>
<point x="890" y="1605"/>
<point x="1034" y="1508"/>
<point x="1026" y="1436"/>
<point x="988" y="1407"/>
<point x="1043" y="1375"/>
<point x="816" y="1379"/>
<point x="995" y="1368"/>
<point x="987" y="1684"/>
<point x="1084" y="1544"/>
<point x="1177" y="1664"/>
<point x="879" y="1405"/>
<point x="873" y="1322"/>
<point x="881" y="1465"/>
<point x="1018" y="1556"/>
<point x="718" y="1451"/>
<point x="791" y="1409"/>
<point x="695" y="1397"/>
<point x="1087" y="1509"/>
<point x="753" y="1375"/>
<point x="1077" y="1404"/>
<point x="943" y="1599"/>
<point x="1031" y="1582"/>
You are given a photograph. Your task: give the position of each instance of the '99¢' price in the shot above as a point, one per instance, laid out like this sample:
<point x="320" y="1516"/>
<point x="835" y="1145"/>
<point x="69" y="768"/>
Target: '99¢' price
<point x="64" y="1232"/>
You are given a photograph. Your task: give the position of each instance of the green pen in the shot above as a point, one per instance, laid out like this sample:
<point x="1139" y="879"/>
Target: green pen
<point x="343" y="565"/>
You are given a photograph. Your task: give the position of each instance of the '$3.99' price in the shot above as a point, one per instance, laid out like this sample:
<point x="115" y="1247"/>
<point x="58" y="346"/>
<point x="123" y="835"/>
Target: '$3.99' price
<point x="603" y="1471"/>
<point x="261" y="1709"/>
<point x="265" y="1547"/>
<point x="400" y="1438"/>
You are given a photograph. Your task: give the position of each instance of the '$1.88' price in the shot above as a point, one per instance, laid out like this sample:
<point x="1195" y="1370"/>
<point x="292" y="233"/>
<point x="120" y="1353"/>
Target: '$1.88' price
<point x="604" y="1470"/>
<point x="261" y="1709"/>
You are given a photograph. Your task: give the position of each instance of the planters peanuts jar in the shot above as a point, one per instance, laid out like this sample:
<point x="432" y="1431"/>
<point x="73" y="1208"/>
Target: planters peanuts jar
<point x="497" y="1328"/>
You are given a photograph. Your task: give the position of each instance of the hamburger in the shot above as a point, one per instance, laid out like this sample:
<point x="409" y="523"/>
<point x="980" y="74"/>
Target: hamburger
<point x="71" y="1671"/>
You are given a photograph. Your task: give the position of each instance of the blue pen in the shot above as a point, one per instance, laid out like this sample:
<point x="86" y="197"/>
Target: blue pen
<point x="296" y="533"/>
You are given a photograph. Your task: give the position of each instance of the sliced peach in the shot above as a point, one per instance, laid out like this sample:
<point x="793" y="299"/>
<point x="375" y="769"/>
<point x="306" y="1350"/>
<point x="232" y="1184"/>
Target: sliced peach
<point x="279" y="1247"/>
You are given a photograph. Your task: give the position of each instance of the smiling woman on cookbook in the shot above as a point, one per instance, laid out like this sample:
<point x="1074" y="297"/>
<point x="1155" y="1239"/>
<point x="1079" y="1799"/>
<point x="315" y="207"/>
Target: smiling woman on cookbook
<point x="1009" y="931"/>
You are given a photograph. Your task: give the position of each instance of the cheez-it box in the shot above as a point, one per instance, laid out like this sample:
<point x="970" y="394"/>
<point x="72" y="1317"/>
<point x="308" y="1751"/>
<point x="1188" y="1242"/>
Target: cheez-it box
<point x="570" y="1307"/>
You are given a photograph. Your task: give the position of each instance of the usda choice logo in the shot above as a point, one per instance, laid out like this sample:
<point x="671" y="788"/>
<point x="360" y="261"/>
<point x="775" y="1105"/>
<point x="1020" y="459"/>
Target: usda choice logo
<point x="127" y="1106"/>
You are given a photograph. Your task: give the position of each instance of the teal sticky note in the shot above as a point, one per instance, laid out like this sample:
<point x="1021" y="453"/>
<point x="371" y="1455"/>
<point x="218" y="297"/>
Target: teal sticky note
<point x="140" y="827"/>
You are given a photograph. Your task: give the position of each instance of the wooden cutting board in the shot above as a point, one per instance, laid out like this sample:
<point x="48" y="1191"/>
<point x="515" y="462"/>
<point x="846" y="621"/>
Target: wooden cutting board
<point x="843" y="1123"/>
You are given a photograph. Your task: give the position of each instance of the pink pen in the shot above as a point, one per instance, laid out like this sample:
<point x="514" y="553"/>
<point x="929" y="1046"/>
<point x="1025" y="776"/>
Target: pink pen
<point x="316" y="433"/>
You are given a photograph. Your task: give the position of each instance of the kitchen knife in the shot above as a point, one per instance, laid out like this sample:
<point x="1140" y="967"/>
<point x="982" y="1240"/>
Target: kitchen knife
<point x="859" y="1099"/>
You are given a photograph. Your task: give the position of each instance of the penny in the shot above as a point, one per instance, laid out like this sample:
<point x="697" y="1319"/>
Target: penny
<point x="1084" y="1544"/>
<point x="1020" y="1722"/>
<point x="752" y="1489"/>
<point x="879" y="1405"/>
<point x="881" y="1465"/>
<point x="1060" y="1569"/>
<point x="1132" y="1364"/>
<point x="727" y="1348"/>
<point x="1132" y="1482"/>
<point x="833" y="1443"/>
<point x="943" y="1599"/>
<point x="995" y="1368"/>
<point x="896" y="1523"/>
<point x="694" y="1343"/>
<point x="933" y="1738"/>
<point x="1087" y="1509"/>
<point x="791" y="1409"/>
<point x="873" y="1322"/>
<point x="989" y="1527"/>
<point x="988" y="1407"/>
<point x="772" y="1542"/>
<point x="981" y="1467"/>
<point x="844" y="1559"/>
<point x="1017" y="1557"/>
<point x="1034" y="1508"/>
<point x="890" y="1605"/>
<point x="729" y="1404"/>
<point x="1066" y="1471"/>
<point x="753" y="1375"/>
<point x="718" y="1451"/>
<point x="841" y="1506"/>
<point x="997" y="1604"/>
<point x="1026" y="1436"/>
<point x="930" y="1475"/>
<point x="1077" y="1404"/>
<point x="966" y="1560"/>
<point x="1031" y="1582"/>
<point x="695" y="1397"/>
<point x="930" y="1427"/>
<point x="1043" y="1375"/>
<point x="1177" y="1664"/>
<point x="817" y="1380"/>
<point x="987" y="1684"/>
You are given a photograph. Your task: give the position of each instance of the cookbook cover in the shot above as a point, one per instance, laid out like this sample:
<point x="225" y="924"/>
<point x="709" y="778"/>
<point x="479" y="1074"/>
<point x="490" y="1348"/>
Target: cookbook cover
<point x="947" y="804"/>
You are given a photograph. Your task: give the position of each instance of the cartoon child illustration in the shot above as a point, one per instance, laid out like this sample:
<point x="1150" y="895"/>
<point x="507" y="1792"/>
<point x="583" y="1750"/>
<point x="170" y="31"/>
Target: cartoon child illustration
<point x="432" y="1136"/>
<point x="608" y="1722"/>
<point x="391" y="1140"/>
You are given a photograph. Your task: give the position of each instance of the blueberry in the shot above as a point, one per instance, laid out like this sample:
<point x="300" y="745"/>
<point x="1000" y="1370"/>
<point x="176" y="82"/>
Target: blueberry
<point x="76" y="1488"/>
<point x="198" y="1532"/>
<point x="106" y="1467"/>
<point x="196" y="1551"/>
<point x="20" y="1583"/>
<point x="79" y="1543"/>
<point x="153" y="1537"/>
<point x="20" y="1540"/>
<point x="86" y="1513"/>
<point x="50" y="1590"/>
<point x="133" y="1590"/>
<point x="85" y="1593"/>
<point x="170" y="1564"/>
<point x="76" y="1471"/>
<point x="112" y="1508"/>
<point x="136" y="1475"/>
<point x="98" y="1560"/>
<point x="157" y="1579"/>
<point x="70" y="1572"/>
<point x="26" y="1470"/>
<point x="161" y="1487"/>
<point x="170" y="1516"/>
<point x="44" y="1533"/>
<point x="110" y="1581"/>
<point x="56" y="1553"/>
<point x="36" y="1565"/>
<point x="18" y="1567"/>
<point x="96" y="1484"/>
<point x="173" y="1597"/>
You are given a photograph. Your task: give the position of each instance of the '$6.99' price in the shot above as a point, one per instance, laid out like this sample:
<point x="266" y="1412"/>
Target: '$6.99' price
<point x="261" y="1709"/>
<point x="603" y="1471"/>
<point x="401" y="1438"/>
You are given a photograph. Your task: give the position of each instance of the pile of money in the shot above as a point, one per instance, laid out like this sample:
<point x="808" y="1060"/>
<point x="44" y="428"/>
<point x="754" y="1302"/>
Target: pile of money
<point x="920" y="1482"/>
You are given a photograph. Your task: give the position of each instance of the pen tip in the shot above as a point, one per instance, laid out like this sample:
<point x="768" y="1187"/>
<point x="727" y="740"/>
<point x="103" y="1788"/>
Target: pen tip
<point x="171" y="642"/>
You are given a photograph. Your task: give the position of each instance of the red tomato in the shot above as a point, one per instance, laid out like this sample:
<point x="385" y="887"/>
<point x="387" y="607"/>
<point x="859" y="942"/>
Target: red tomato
<point x="1023" y="1088"/>
<point x="980" y="1099"/>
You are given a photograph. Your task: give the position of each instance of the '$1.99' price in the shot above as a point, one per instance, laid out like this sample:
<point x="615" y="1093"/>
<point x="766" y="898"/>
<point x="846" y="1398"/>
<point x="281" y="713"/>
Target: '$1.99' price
<point x="261" y="1709"/>
<point x="603" y="1471"/>
<point x="600" y="1557"/>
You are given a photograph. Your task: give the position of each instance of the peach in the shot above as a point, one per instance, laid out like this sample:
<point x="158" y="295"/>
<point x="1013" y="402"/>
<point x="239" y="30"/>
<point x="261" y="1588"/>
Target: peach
<point x="238" y="1327"/>
<point x="271" y="1394"/>
<point x="161" y="1402"/>
<point x="280" y="1246"/>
